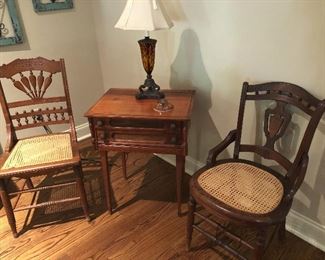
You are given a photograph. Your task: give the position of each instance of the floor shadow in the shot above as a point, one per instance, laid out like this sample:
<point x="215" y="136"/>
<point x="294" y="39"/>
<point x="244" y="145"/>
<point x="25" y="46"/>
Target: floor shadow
<point x="13" y="185"/>
<point x="145" y="175"/>
<point x="144" y="183"/>
<point x="65" y="212"/>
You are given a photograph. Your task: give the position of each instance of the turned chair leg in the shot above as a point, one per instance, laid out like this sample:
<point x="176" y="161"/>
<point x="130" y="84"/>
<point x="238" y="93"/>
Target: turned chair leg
<point x="82" y="192"/>
<point x="282" y="231"/>
<point x="260" y="243"/>
<point x="190" y="221"/>
<point x="8" y="208"/>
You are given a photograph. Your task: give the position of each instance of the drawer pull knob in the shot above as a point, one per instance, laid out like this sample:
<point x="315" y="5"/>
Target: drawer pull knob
<point x="173" y="125"/>
<point x="173" y="140"/>
<point x="100" y="123"/>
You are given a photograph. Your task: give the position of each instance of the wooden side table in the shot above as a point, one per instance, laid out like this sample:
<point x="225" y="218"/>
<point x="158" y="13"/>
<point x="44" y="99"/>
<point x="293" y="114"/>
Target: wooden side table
<point x="119" y="122"/>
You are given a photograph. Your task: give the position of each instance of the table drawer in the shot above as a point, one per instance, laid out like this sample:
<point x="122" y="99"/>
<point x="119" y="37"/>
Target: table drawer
<point x="136" y="131"/>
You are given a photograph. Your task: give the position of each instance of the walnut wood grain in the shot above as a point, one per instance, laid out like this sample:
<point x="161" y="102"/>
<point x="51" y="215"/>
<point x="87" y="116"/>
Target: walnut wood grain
<point x="119" y="122"/>
<point x="146" y="228"/>
<point x="120" y="103"/>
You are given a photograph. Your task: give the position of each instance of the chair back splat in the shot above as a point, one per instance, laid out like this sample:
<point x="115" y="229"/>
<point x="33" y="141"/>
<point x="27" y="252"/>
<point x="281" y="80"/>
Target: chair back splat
<point x="33" y="79"/>
<point x="276" y="121"/>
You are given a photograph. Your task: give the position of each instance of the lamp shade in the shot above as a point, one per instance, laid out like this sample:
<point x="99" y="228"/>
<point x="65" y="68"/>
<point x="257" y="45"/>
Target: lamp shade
<point x="145" y="15"/>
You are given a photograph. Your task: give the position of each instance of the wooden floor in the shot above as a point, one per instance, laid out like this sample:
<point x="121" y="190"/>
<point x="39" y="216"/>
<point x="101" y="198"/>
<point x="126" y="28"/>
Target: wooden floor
<point x="145" y="226"/>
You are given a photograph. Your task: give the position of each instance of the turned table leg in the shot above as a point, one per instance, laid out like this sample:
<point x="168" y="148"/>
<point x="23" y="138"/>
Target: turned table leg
<point x="124" y="165"/>
<point x="106" y="179"/>
<point x="180" y="167"/>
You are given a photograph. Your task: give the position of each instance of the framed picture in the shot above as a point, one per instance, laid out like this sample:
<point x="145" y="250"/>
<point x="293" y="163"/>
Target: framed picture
<point x="51" y="5"/>
<point x="10" y="29"/>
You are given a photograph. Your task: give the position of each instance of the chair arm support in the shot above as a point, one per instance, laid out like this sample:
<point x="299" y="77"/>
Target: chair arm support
<point x="296" y="175"/>
<point x="215" y="151"/>
<point x="11" y="138"/>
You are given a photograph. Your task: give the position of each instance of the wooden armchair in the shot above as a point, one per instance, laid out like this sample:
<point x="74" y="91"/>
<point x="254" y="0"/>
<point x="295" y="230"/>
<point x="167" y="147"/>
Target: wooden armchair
<point x="246" y="193"/>
<point x="31" y="107"/>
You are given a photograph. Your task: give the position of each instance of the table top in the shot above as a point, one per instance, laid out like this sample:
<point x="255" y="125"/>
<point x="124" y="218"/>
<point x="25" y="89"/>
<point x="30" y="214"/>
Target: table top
<point x="121" y="103"/>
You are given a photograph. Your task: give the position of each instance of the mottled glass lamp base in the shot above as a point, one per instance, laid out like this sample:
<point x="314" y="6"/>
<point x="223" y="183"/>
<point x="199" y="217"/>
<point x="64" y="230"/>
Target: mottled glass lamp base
<point x="149" y="89"/>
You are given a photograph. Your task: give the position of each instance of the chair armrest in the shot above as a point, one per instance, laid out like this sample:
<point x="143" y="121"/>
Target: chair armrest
<point x="296" y="176"/>
<point x="215" y="151"/>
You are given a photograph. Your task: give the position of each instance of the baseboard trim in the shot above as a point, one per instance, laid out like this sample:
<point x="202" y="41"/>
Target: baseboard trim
<point x="296" y="223"/>
<point x="83" y="131"/>
<point x="306" y="228"/>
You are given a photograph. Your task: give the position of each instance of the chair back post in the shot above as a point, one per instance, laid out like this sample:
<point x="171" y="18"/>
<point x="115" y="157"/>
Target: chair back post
<point x="240" y="119"/>
<point x="294" y="171"/>
<point x="69" y="106"/>
<point x="11" y="134"/>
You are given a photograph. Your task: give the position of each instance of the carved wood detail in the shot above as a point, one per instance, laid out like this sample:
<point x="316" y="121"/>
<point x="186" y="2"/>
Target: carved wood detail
<point x="35" y="116"/>
<point x="276" y="122"/>
<point x="284" y="92"/>
<point x="21" y="65"/>
<point x="33" y="77"/>
<point x="28" y="84"/>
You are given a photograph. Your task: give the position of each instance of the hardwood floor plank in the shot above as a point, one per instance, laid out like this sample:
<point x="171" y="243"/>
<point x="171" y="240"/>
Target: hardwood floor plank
<point x="144" y="226"/>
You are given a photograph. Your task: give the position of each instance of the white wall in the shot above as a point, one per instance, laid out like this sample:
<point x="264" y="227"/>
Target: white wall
<point x="67" y="34"/>
<point x="214" y="47"/>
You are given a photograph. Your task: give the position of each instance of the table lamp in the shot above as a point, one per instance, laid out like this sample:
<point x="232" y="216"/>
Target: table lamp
<point x="145" y="15"/>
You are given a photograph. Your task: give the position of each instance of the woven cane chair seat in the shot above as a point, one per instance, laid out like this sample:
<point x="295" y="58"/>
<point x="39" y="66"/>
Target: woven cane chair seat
<point x="39" y="150"/>
<point x="243" y="187"/>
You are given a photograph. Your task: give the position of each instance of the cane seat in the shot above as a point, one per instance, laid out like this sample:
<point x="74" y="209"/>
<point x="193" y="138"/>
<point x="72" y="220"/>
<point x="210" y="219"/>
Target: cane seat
<point x="39" y="150"/>
<point x="242" y="186"/>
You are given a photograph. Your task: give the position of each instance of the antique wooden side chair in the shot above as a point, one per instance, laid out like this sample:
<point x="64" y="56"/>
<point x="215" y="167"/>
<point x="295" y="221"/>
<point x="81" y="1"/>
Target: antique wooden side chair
<point x="246" y="193"/>
<point x="31" y="106"/>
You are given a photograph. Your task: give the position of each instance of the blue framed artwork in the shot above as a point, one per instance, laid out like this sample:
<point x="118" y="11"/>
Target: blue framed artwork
<point x="10" y="29"/>
<point x="51" y="5"/>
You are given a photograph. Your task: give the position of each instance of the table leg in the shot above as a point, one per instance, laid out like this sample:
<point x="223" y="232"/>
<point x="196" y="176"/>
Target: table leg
<point x="124" y="165"/>
<point x="106" y="179"/>
<point x="180" y="167"/>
